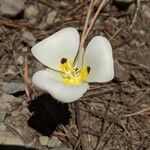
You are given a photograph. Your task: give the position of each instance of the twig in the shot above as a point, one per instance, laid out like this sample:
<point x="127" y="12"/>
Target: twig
<point x="102" y="137"/>
<point x="79" y="125"/>
<point x="26" y="76"/>
<point x="140" y="96"/>
<point x="134" y="64"/>
<point x="77" y="143"/>
<point x="138" y="112"/>
<point x="136" y="14"/>
<point x="116" y="33"/>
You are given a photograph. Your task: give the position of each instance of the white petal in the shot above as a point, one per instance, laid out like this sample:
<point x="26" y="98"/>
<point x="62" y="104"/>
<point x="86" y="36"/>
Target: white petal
<point x="39" y="78"/>
<point x="62" y="44"/>
<point x="51" y="83"/>
<point x="98" y="57"/>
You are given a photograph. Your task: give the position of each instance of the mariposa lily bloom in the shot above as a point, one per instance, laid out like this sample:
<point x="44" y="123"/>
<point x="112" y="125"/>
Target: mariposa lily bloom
<point x="63" y="79"/>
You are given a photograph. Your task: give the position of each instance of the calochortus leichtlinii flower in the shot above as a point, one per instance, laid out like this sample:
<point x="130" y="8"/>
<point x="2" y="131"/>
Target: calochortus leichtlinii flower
<point x="64" y="78"/>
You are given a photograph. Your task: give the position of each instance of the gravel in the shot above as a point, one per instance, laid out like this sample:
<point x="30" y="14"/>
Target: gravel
<point x="2" y="115"/>
<point x="43" y="140"/>
<point x="146" y="11"/>
<point x="2" y="127"/>
<point x="54" y="142"/>
<point x="31" y="12"/>
<point x="11" y="8"/>
<point x="9" y="98"/>
<point x="51" y="16"/>
<point x="123" y="4"/>
<point x="11" y="87"/>
<point x="9" y="138"/>
<point x="19" y="60"/>
<point x="28" y="38"/>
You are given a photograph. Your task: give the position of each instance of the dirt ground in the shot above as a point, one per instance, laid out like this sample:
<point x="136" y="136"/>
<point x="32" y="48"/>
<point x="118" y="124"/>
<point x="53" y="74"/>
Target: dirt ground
<point x="110" y="116"/>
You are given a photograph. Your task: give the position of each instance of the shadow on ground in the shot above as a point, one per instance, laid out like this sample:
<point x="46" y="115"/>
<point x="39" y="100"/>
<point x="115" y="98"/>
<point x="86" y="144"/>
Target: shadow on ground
<point x="47" y="114"/>
<point x="14" y="147"/>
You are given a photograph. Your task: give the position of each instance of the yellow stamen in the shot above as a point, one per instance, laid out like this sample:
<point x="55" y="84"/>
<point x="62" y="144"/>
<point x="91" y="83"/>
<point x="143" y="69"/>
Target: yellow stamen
<point x="73" y="75"/>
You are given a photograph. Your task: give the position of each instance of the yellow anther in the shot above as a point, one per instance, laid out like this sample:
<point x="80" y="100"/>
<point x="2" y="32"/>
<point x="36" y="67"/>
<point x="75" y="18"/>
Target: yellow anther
<point x="73" y="75"/>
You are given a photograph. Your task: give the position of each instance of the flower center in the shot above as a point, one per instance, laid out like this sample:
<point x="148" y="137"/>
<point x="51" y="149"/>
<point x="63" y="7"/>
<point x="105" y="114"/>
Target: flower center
<point x="73" y="75"/>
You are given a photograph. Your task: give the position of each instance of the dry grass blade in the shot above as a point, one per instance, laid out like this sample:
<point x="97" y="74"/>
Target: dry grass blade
<point x="26" y="76"/>
<point x="136" y="14"/>
<point x="138" y="112"/>
<point x="102" y="4"/>
<point x="87" y="21"/>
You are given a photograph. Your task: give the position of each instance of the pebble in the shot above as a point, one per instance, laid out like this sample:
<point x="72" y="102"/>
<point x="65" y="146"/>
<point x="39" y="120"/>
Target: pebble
<point x="8" y="138"/>
<point x="9" y="98"/>
<point x="64" y="4"/>
<point x="43" y="140"/>
<point x="2" y="115"/>
<point x="28" y="38"/>
<point x="120" y="72"/>
<point x="19" y="60"/>
<point x="11" y="70"/>
<point x="2" y="127"/>
<point x="135" y="42"/>
<point x="54" y="142"/>
<point x="24" y="49"/>
<point x="11" y="8"/>
<point x="146" y="11"/>
<point x="11" y="87"/>
<point x="124" y="1"/>
<point x="31" y="12"/>
<point x="2" y="50"/>
<point x="50" y="17"/>
<point x="123" y="4"/>
<point x="61" y="148"/>
<point x="24" y="111"/>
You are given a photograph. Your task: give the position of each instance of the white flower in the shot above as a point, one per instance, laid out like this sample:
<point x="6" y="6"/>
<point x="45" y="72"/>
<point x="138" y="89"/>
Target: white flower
<point x="70" y="82"/>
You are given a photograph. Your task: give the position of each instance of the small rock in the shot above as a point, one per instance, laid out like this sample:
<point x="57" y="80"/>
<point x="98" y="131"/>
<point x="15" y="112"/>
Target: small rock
<point x="120" y="72"/>
<point x="11" y="8"/>
<point x="2" y="115"/>
<point x="11" y="70"/>
<point x="64" y="4"/>
<point x="146" y="11"/>
<point x="25" y="110"/>
<point x="28" y="38"/>
<point x="11" y="87"/>
<point x="54" y="142"/>
<point x="15" y="113"/>
<point x="51" y="16"/>
<point x="124" y="1"/>
<point x="4" y="106"/>
<point x="9" y="98"/>
<point x="43" y="25"/>
<point x="61" y="148"/>
<point x="19" y="60"/>
<point x="135" y="42"/>
<point x="43" y="140"/>
<point x="25" y="49"/>
<point x="10" y="139"/>
<point x="2" y="127"/>
<point x="2" y="50"/>
<point x="123" y="4"/>
<point x="31" y="12"/>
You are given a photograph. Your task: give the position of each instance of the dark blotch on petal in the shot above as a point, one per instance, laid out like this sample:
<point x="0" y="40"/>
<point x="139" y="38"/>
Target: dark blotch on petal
<point x="88" y="69"/>
<point x="63" y="60"/>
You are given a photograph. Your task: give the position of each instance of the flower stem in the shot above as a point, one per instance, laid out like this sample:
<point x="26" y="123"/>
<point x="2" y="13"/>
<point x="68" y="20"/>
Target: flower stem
<point x="86" y="30"/>
<point x="101" y="5"/>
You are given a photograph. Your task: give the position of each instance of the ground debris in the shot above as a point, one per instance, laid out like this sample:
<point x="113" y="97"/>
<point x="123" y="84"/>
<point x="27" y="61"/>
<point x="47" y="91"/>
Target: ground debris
<point x="11" y="8"/>
<point x="114" y="115"/>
